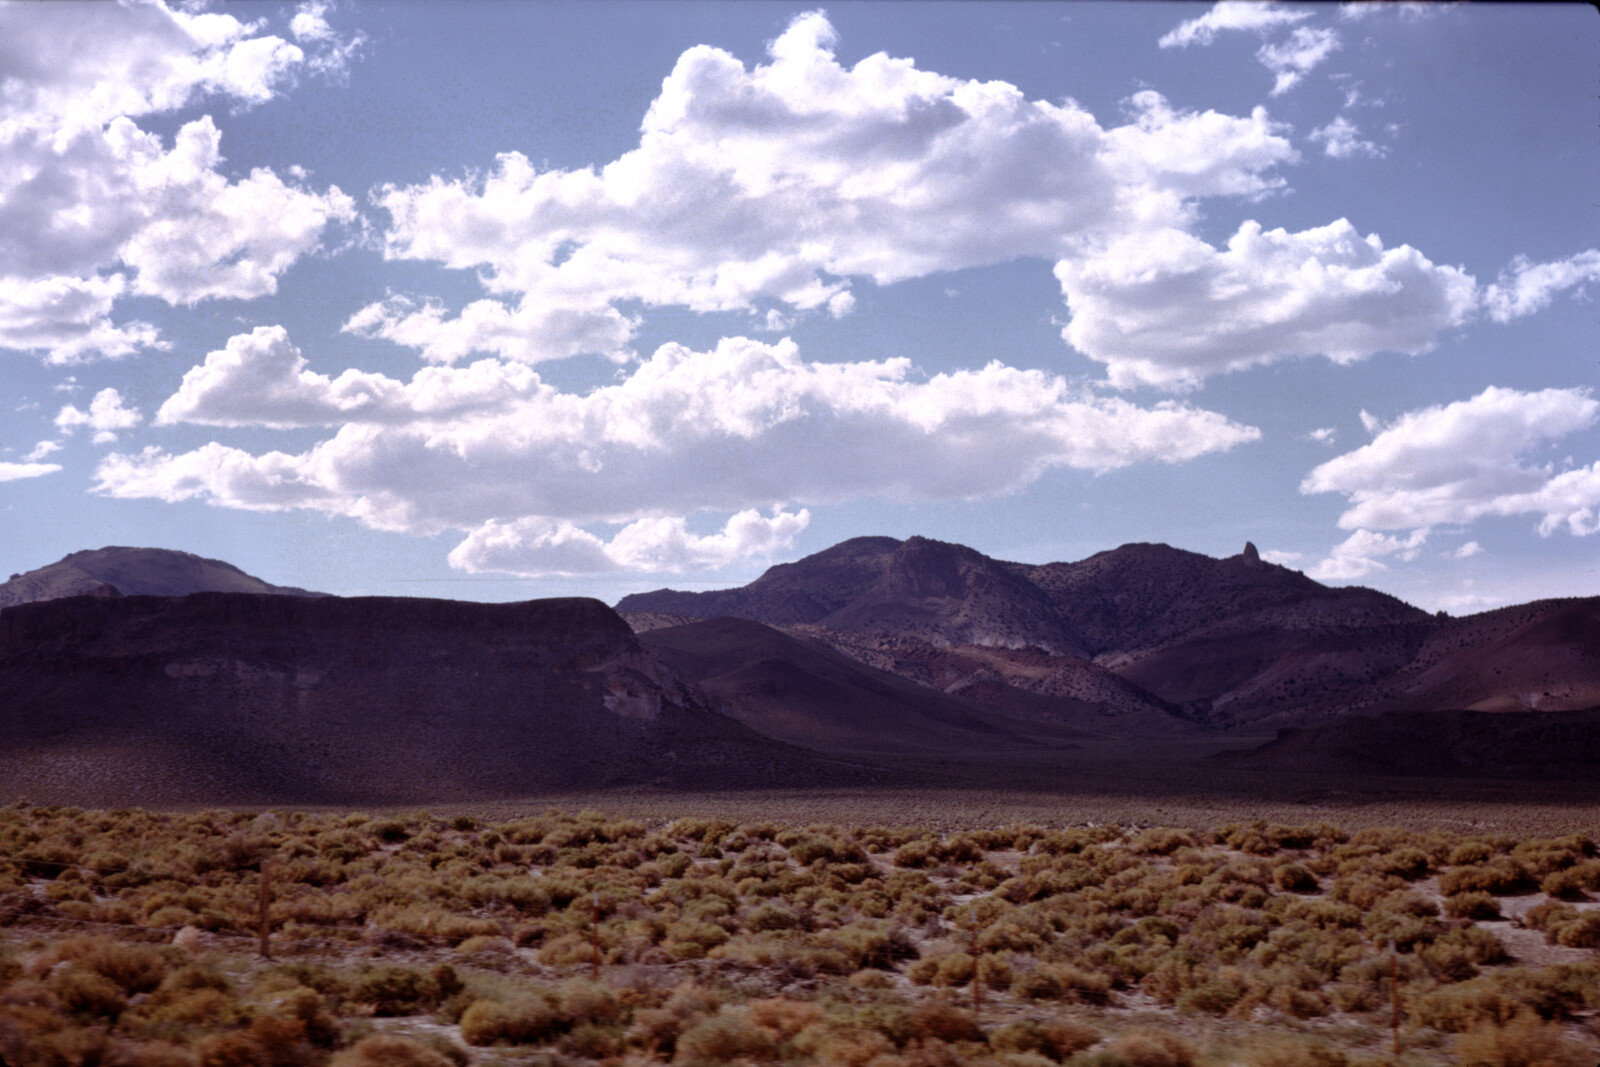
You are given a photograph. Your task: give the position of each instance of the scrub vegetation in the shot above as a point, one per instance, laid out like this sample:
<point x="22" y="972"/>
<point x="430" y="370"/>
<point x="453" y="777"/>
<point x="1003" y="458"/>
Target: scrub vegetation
<point x="128" y="939"/>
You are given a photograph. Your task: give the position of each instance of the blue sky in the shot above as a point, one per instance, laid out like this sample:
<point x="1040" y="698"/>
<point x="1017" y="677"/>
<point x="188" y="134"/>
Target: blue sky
<point x="503" y="300"/>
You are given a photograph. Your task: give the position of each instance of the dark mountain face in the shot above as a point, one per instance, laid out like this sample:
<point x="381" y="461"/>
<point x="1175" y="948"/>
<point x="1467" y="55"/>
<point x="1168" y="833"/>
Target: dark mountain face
<point x="805" y="591"/>
<point x="134" y="572"/>
<point x="941" y="593"/>
<point x="1144" y="596"/>
<point x="876" y="653"/>
<point x="1542" y="656"/>
<point x="251" y="698"/>
<point x="1558" y="746"/>
<point x="1226" y="642"/>
<point x="811" y="695"/>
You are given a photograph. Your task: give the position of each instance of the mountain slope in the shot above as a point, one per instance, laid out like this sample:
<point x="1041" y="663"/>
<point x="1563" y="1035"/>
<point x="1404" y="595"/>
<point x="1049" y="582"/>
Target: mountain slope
<point x="1557" y="746"/>
<point x="806" y="591"/>
<point x="1145" y="596"/>
<point x="941" y="593"/>
<point x="134" y="572"/>
<point x="1229" y="642"/>
<point x="253" y="698"/>
<point x="1540" y="656"/>
<point x="808" y="694"/>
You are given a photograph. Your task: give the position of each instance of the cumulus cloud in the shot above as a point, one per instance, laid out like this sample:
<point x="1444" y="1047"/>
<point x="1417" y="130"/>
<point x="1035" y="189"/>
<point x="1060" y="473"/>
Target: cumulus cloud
<point x="41" y="450"/>
<point x="11" y="472"/>
<point x="1167" y="309"/>
<point x="1363" y="552"/>
<point x="1526" y="287"/>
<point x="261" y="379"/>
<point x="1457" y="463"/>
<point x="331" y="53"/>
<point x="1466" y="551"/>
<point x="534" y="546"/>
<point x="1357" y="10"/>
<point x="492" y="448"/>
<point x="1292" y="59"/>
<point x="1323" y="435"/>
<point x="93" y="207"/>
<point x="1342" y="139"/>
<point x="1251" y="15"/>
<point x="531" y="332"/>
<point x="68" y="317"/>
<point x="772" y="188"/>
<point x="106" y="417"/>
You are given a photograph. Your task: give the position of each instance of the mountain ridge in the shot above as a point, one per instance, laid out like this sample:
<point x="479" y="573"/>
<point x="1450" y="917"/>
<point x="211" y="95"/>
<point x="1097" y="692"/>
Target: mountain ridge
<point x="878" y="661"/>
<point x="118" y="570"/>
<point x="1231" y="643"/>
<point x="260" y="698"/>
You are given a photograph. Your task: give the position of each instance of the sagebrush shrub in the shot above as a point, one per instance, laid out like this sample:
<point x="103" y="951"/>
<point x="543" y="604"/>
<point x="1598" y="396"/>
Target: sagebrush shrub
<point x="1525" y="1041"/>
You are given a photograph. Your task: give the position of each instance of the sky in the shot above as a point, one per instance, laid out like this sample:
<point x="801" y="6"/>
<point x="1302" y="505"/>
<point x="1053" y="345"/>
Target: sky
<point x="502" y="300"/>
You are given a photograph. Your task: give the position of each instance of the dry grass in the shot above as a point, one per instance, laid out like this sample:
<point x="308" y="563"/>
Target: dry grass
<point x="1013" y="935"/>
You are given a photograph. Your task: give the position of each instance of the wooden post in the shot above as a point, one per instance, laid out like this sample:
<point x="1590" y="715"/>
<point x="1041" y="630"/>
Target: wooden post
<point x="1394" y="999"/>
<point x="594" y="936"/>
<point x="264" y="911"/>
<point x="977" y="985"/>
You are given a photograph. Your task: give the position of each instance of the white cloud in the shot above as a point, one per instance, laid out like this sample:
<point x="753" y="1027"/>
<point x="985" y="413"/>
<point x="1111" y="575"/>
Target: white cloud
<point x="1526" y="287"/>
<point x="491" y="447"/>
<point x="538" y="546"/>
<point x="1459" y="462"/>
<point x="531" y="332"/>
<point x="93" y="207"/>
<point x="68" y="317"/>
<point x="332" y="53"/>
<point x="310" y="23"/>
<point x="1292" y="59"/>
<point x="41" y="450"/>
<point x="1167" y="309"/>
<point x="1357" y="10"/>
<point x="11" y="472"/>
<point x="215" y="238"/>
<point x="106" y="416"/>
<point x="1467" y="551"/>
<point x="773" y="187"/>
<point x="1282" y="558"/>
<point x="1342" y="139"/>
<point x="770" y="190"/>
<point x="1323" y="435"/>
<point x="83" y="65"/>
<point x="1252" y="15"/>
<point x="261" y="379"/>
<point x="1363" y="552"/>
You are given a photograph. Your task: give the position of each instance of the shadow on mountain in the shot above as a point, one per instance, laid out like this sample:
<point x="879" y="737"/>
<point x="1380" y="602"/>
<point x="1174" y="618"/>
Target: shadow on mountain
<point x="810" y="695"/>
<point x="1556" y="746"/>
<point x="242" y="698"/>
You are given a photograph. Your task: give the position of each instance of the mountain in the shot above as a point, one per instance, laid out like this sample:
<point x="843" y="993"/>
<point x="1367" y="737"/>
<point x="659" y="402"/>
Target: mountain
<point x="1233" y="641"/>
<point x="1147" y="628"/>
<point x="257" y="698"/>
<point x="1542" y="656"/>
<point x="1556" y="746"/>
<point x="940" y="593"/>
<point x="808" y="694"/>
<point x="115" y="571"/>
